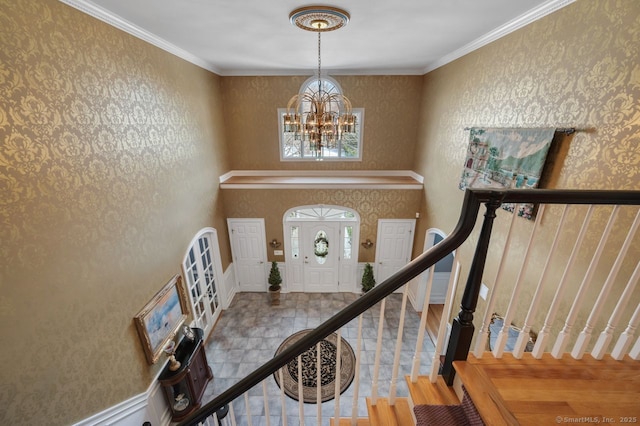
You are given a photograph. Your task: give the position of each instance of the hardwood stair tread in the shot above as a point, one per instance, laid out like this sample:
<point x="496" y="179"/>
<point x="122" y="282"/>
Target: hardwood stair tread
<point x="361" y="421"/>
<point x="509" y="390"/>
<point x="424" y="392"/>
<point x="384" y="414"/>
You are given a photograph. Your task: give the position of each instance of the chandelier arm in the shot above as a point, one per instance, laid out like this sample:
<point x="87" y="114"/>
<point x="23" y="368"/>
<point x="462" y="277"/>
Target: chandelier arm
<point x="294" y="100"/>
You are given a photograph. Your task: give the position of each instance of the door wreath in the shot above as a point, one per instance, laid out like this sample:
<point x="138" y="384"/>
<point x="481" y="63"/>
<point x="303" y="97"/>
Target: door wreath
<point x="321" y="246"/>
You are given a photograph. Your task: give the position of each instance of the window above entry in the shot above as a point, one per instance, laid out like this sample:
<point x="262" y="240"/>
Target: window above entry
<point x="320" y="101"/>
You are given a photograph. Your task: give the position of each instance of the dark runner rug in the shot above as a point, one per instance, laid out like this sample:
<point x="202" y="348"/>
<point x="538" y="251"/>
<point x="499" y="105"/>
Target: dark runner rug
<point x="328" y="350"/>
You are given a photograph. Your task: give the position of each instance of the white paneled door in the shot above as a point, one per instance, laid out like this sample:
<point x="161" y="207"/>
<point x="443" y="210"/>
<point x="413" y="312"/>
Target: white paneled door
<point x="393" y="251"/>
<point x="249" y="253"/>
<point x="321" y="251"/>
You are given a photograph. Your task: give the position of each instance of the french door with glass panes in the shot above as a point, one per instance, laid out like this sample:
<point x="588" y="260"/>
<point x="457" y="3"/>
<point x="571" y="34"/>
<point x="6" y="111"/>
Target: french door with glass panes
<point x="201" y="277"/>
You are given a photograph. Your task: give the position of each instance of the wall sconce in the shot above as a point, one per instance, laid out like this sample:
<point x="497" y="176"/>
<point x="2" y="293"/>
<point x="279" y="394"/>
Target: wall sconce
<point x="274" y="243"/>
<point x="367" y="244"/>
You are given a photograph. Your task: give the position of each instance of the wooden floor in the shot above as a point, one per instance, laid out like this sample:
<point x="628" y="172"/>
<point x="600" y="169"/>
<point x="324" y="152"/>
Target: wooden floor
<point x="529" y="391"/>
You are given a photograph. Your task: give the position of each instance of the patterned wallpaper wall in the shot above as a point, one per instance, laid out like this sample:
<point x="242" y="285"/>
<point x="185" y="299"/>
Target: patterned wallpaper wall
<point x="110" y="150"/>
<point x="575" y="68"/>
<point x="252" y="129"/>
<point x="370" y="204"/>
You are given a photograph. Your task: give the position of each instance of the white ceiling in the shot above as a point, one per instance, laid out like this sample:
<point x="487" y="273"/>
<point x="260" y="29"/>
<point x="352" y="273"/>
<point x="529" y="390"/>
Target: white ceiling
<point x="255" y="37"/>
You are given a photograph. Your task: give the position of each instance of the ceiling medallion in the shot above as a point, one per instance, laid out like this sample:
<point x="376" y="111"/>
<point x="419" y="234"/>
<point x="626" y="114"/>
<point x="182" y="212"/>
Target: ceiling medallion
<point x="319" y="18"/>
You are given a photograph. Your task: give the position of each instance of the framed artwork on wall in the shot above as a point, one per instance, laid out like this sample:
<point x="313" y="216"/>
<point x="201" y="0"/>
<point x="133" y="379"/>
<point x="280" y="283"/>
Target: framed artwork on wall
<point x="160" y="319"/>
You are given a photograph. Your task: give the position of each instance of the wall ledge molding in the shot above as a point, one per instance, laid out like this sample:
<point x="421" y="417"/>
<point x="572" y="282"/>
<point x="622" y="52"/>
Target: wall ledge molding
<point x="321" y="179"/>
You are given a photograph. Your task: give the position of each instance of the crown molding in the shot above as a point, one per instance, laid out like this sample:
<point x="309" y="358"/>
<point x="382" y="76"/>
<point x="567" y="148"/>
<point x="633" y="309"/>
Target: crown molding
<point x="116" y="21"/>
<point x="515" y="24"/>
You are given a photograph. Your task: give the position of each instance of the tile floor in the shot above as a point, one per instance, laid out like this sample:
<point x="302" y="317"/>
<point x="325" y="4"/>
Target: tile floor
<point x="249" y="332"/>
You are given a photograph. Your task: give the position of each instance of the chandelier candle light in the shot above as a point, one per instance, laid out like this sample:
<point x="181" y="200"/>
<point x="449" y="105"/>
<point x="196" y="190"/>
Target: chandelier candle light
<point x="321" y="118"/>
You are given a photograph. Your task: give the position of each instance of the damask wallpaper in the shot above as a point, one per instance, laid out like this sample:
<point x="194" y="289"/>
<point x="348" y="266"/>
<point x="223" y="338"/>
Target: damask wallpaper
<point x="252" y="126"/>
<point x="370" y="204"/>
<point x="110" y="150"/>
<point x="575" y="68"/>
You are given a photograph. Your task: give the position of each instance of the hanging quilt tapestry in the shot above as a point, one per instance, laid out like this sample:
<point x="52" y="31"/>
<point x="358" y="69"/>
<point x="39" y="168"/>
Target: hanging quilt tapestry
<point x="504" y="158"/>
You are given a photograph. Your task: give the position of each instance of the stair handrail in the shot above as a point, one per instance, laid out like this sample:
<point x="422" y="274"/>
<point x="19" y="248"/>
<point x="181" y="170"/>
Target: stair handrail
<point x="473" y="198"/>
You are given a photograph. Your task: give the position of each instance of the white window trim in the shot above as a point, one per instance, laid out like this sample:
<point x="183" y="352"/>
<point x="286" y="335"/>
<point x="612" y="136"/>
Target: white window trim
<point x="359" y="112"/>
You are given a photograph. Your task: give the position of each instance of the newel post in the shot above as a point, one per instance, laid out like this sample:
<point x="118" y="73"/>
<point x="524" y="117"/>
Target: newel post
<point x="462" y="328"/>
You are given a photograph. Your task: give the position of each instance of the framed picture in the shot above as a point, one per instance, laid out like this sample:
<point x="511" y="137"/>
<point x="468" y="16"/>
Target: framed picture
<point x="158" y="322"/>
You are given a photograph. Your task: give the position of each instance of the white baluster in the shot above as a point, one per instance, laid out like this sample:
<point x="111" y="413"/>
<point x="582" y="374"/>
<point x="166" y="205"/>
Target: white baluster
<point x="635" y="352"/>
<point x="563" y="336"/>
<point x="501" y="340"/>
<point x="444" y="322"/>
<point x="300" y="391"/>
<point x="215" y="418"/>
<point x="585" y="335"/>
<point x="545" y="331"/>
<point x="606" y="336"/>
<point x="248" y="410"/>
<point x="356" y="380"/>
<point x="396" y="358"/>
<point x="624" y="341"/>
<point x="266" y="403"/>
<point x="318" y="382"/>
<point x="338" y="381"/>
<point x="415" y="367"/>
<point x="283" y="402"/>
<point x="483" y="332"/>
<point x="376" y="363"/>
<point x="232" y="414"/>
<point x="523" y="336"/>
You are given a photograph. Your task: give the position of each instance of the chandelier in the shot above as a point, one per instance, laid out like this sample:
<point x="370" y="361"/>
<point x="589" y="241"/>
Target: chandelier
<point x="319" y="117"/>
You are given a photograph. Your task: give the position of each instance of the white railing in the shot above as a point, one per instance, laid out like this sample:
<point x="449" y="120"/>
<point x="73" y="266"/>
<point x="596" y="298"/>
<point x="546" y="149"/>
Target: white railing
<point x="583" y="301"/>
<point x="625" y="253"/>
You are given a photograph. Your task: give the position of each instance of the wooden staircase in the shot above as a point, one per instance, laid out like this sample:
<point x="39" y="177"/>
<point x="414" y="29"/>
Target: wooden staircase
<point x="526" y="391"/>
<point x="401" y="413"/>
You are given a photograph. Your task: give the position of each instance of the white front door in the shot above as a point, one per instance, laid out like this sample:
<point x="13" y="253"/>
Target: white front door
<point x="393" y="251"/>
<point x="249" y="252"/>
<point x="321" y="249"/>
<point x="201" y="267"/>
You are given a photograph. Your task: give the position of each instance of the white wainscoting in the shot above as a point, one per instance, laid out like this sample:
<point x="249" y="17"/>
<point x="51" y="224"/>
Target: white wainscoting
<point x="232" y="289"/>
<point x="149" y="406"/>
<point x="230" y="286"/>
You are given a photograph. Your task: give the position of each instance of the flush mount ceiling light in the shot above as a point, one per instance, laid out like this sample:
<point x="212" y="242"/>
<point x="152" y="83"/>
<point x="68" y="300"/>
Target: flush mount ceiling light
<point x="319" y="116"/>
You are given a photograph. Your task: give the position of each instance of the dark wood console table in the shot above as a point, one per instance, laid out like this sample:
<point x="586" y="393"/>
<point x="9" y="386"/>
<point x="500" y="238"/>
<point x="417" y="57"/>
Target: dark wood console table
<point x="185" y="386"/>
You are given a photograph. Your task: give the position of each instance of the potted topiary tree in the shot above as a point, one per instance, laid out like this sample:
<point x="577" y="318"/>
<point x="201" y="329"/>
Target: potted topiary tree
<point x="274" y="284"/>
<point x="368" y="281"/>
